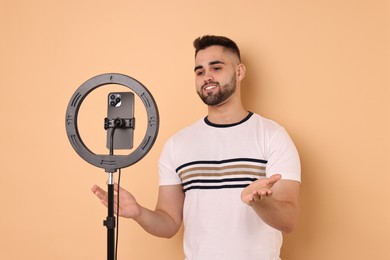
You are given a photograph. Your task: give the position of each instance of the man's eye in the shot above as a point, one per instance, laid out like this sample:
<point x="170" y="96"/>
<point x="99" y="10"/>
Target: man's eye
<point x="217" y="68"/>
<point x="199" y="73"/>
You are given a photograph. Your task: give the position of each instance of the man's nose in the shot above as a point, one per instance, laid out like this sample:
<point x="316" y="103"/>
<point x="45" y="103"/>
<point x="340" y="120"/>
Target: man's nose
<point x="208" y="76"/>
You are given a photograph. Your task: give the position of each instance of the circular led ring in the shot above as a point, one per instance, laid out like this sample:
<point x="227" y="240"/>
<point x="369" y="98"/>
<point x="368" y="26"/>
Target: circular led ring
<point x="111" y="162"/>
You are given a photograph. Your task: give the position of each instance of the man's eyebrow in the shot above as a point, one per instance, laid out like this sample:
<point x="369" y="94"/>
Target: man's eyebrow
<point x="216" y="62"/>
<point x="198" y="67"/>
<point x="210" y="63"/>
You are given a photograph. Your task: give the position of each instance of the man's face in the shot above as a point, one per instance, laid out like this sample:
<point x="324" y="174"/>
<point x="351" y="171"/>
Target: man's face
<point x="215" y="75"/>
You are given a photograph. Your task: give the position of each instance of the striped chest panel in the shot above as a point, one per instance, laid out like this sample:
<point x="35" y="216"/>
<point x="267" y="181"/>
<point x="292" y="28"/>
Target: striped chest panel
<point x="224" y="174"/>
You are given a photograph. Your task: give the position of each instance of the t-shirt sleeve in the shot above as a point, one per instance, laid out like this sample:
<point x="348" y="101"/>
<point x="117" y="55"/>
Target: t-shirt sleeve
<point x="166" y="166"/>
<point x="283" y="157"/>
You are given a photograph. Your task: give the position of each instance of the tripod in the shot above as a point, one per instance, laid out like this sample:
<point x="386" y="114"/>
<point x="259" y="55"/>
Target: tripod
<point x="110" y="220"/>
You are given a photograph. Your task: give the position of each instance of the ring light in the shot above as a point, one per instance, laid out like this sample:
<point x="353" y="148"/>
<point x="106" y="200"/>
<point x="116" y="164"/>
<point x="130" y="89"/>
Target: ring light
<point x="111" y="162"/>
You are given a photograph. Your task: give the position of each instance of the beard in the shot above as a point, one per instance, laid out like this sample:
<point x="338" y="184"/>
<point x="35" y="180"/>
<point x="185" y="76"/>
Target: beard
<point x="225" y="91"/>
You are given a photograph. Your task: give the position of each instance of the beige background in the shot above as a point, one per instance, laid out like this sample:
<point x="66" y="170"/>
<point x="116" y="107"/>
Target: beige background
<point x="320" y="68"/>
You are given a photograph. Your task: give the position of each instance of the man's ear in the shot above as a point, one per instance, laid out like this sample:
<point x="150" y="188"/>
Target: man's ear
<point x="241" y="69"/>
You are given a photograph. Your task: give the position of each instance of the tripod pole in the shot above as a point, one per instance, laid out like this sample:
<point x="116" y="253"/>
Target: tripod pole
<point x="110" y="220"/>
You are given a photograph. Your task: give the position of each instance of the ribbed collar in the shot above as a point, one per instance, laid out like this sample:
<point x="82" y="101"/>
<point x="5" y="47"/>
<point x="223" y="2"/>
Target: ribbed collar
<point x="206" y="120"/>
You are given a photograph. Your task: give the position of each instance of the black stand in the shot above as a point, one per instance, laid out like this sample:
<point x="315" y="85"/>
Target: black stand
<point x="110" y="220"/>
<point x="112" y="163"/>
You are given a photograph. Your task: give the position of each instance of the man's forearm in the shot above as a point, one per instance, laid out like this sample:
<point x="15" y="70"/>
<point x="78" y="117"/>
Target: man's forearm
<point x="157" y="223"/>
<point x="281" y="215"/>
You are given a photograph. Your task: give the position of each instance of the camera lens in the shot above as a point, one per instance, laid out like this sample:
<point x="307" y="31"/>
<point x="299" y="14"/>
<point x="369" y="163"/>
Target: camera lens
<point x="112" y="97"/>
<point x="118" y="99"/>
<point x="112" y="103"/>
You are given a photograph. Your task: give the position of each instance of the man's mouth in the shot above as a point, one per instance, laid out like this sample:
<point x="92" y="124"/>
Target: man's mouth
<point x="209" y="87"/>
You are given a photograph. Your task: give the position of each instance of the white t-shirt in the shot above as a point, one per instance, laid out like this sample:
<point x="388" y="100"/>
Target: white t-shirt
<point x="214" y="163"/>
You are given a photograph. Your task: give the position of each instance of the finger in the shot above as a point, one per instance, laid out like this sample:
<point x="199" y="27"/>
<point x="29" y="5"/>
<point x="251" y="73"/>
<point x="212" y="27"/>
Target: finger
<point x="119" y="188"/>
<point x="274" y="178"/>
<point x="262" y="194"/>
<point x="104" y="202"/>
<point x="267" y="194"/>
<point x="250" y="201"/>
<point x="116" y="187"/>
<point x="94" y="188"/>
<point x="256" y="196"/>
<point x="100" y="193"/>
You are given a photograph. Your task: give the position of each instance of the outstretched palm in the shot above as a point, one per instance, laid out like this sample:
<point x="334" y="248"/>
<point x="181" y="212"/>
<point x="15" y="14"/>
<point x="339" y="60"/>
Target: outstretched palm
<point x="128" y="206"/>
<point x="259" y="189"/>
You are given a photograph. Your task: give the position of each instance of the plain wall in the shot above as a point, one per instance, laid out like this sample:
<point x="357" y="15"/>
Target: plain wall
<point x="319" y="68"/>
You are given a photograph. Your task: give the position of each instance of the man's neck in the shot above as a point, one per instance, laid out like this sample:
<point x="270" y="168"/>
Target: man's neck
<point x="226" y="114"/>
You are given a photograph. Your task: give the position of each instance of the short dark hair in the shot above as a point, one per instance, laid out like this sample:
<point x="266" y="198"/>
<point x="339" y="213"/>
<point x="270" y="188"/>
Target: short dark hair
<point x="205" y="41"/>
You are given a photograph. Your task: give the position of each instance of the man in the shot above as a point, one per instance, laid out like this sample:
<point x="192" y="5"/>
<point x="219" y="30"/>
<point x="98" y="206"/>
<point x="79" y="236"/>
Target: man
<point x="233" y="177"/>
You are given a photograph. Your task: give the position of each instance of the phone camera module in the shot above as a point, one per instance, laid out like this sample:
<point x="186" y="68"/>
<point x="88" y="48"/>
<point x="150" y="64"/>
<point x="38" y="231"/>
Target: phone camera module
<point x="115" y="100"/>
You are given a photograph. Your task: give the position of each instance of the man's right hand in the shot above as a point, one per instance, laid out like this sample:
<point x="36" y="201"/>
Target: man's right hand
<point x="128" y="206"/>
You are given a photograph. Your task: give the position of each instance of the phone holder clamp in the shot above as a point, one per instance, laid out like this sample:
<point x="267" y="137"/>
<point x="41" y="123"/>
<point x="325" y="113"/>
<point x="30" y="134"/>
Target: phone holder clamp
<point x="119" y="123"/>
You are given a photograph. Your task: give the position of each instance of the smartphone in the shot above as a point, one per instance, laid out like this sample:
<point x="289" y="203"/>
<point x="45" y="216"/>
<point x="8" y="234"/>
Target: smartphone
<point x="120" y="105"/>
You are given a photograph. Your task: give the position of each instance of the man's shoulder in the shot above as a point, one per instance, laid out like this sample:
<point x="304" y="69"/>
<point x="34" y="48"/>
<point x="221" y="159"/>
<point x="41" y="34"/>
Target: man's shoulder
<point x="266" y="122"/>
<point x="191" y="129"/>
